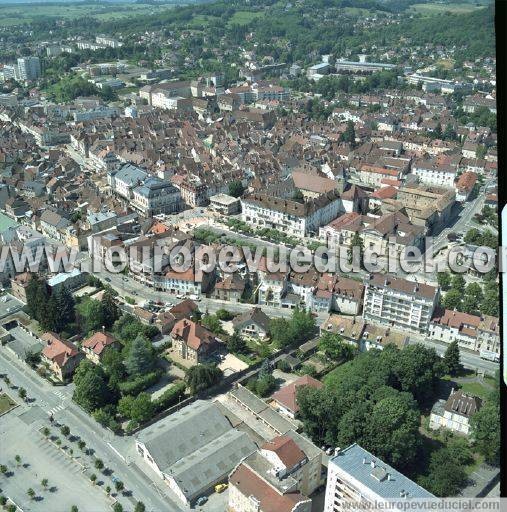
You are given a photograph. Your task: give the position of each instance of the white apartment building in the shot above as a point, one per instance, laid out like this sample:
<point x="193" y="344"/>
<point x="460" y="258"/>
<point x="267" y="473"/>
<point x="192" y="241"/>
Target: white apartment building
<point x="399" y="303"/>
<point x="108" y="41"/>
<point x="356" y="477"/>
<point x="290" y="217"/>
<point x="430" y="173"/>
<point x="28" y="68"/>
<point x="470" y="331"/>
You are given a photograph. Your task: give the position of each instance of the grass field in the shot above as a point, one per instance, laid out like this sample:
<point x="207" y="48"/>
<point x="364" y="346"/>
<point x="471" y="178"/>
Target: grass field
<point x="11" y="15"/>
<point x="440" y="8"/>
<point x="244" y="17"/>
<point x="6" y="403"/>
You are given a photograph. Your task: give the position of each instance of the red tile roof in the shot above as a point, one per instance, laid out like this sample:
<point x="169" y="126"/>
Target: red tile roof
<point x="287" y="450"/>
<point x="57" y="349"/>
<point x="98" y="342"/>
<point x="250" y="484"/>
<point x="194" y="335"/>
<point x="286" y="396"/>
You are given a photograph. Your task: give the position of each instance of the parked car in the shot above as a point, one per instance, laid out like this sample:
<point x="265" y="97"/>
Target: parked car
<point x="201" y="501"/>
<point x="220" y="487"/>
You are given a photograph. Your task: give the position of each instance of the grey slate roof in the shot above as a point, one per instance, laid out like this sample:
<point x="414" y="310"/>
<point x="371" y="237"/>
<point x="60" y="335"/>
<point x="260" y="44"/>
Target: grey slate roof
<point x="199" y="470"/>
<point x="357" y="462"/>
<point x="178" y="435"/>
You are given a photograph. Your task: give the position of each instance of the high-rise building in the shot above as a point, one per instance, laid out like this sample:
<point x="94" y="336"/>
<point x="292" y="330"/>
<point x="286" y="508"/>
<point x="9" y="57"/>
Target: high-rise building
<point x="357" y="477"/>
<point x="29" y="68"/>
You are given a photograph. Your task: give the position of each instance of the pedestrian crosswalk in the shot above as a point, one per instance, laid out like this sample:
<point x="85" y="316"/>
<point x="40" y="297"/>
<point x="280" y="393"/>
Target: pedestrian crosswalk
<point x="56" y="409"/>
<point x="59" y="394"/>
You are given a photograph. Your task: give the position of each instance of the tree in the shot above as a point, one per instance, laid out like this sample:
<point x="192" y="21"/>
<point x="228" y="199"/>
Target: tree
<point x="444" y="280"/>
<point x="202" y="376"/>
<point x="17" y="458"/>
<point x="74" y="508"/>
<point x="93" y="478"/>
<point x="452" y="358"/>
<point x="140" y="358"/>
<point x="109" y="309"/>
<point x="453" y="299"/>
<point x="118" y="485"/>
<point x="356" y="241"/>
<point x="3" y="469"/>
<point x="445" y="477"/>
<point x="236" y="344"/>
<point x="112" y="364"/>
<point x="46" y="431"/>
<point x="99" y="464"/>
<point x="22" y="393"/>
<point x="81" y="444"/>
<point x="117" y="507"/>
<point x="279" y="329"/>
<point x="108" y="489"/>
<point x="458" y="283"/>
<point x="142" y="408"/>
<point x="31" y="493"/>
<point x="265" y="385"/>
<point x="140" y="507"/>
<point x="91" y="391"/>
<point x="334" y="347"/>
<point x="485" y="429"/>
<point x="65" y="430"/>
<point x="392" y="432"/>
<point x="236" y="188"/>
<point x="65" y="312"/>
<point x="349" y="135"/>
<point x="44" y="482"/>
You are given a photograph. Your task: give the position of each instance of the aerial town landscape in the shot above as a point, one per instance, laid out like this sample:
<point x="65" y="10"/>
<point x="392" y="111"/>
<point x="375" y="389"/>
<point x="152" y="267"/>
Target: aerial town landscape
<point x="247" y="255"/>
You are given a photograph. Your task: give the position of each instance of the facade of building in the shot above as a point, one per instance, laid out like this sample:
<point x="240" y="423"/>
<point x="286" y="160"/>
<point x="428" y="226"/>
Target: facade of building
<point x="192" y="341"/>
<point x="61" y="356"/>
<point x="193" y="449"/>
<point x="28" y="68"/>
<point x="355" y="477"/>
<point x="455" y="413"/>
<point x="290" y="217"/>
<point x="399" y="303"/>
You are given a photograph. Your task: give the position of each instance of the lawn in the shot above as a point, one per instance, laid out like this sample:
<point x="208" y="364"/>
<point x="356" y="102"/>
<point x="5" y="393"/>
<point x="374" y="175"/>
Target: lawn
<point x="244" y="17"/>
<point x="11" y="15"/>
<point x="476" y="389"/>
<point x="6" y="403"/>
<point x="440" y="8"/>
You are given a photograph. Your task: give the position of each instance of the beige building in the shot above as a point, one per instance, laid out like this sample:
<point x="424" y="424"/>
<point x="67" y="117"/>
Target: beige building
<point x="455" y="413"/>
<point x="278" y="477"/>
<point x="192" y="341"/>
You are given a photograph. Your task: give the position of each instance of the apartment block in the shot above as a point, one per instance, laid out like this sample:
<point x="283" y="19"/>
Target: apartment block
<point x="399" y="303"/>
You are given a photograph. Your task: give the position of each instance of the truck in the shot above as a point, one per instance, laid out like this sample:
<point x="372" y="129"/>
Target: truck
<point x="490" y="356"/>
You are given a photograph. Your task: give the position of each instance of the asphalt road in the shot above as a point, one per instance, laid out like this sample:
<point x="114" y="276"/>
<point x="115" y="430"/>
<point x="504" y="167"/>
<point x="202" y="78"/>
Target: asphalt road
<point x="114" y="450"/>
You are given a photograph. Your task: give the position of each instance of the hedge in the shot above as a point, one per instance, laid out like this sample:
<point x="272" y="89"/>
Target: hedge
<point x="170" y="396"/>
<point x="135" y="386"/>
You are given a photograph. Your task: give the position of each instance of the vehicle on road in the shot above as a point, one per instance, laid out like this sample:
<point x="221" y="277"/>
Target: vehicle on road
<point x="108" y="279"/>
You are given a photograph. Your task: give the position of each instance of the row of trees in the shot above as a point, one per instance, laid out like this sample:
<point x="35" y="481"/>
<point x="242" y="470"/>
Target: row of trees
<point x="472" y="298"/>
<point x="293" y="332"/>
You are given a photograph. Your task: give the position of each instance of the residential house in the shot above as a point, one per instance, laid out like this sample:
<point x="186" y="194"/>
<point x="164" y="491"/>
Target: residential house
<point x="455" y="412"/>
<point x="95" y="346"/>
<point x="193" y="341"/>
<point x="61" y="355"/>
<point x="285" y="399"/>
<point x="253" y="323"/>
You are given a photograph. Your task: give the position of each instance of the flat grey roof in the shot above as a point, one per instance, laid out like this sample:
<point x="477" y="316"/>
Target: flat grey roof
<point x="247" y="398"/>
<point x="375" y="474"/>
<point x="198" y="471"/>
<point x="178" y="435"/>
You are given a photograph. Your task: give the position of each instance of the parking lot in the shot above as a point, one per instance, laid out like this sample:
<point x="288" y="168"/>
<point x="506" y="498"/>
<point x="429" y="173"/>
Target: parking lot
<point x="9" y="305"/>
<point x="67" y="485"/>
